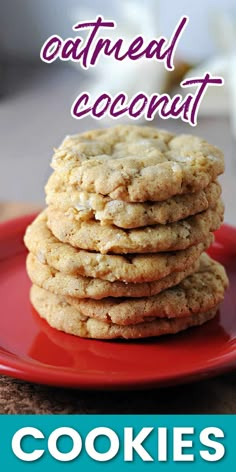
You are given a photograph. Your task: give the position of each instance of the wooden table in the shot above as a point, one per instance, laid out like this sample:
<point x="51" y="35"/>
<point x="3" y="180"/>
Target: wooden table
<point x="212" y="396"/>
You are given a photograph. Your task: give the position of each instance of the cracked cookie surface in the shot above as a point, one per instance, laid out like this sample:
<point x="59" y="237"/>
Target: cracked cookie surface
<point x="93" y="236"/>
<point x="135" y="268"/>
<point x="87" y="287"/>
<point x="64" y="317"/>
<point x="137" y="163"/>
<point x="89" y="206"/>
<point x="199" y="292"/>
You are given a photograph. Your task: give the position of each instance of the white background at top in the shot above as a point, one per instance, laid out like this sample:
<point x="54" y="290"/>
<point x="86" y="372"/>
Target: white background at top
<point x="25" y="24"/>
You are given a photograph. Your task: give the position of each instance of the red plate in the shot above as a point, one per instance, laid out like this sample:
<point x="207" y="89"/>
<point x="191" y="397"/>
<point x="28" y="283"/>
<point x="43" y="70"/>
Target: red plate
<point x="31" y="350"/>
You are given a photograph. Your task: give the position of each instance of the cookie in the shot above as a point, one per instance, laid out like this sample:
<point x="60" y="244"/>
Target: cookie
<point x="137" y="163"/>
<point x="199" y="292"/>
<point x="64" y="317"/>
<point x="132" y="268"/>
<point x="90" y="206"/>
<point x="86" y="287"/>
<point x="92" y="236"/>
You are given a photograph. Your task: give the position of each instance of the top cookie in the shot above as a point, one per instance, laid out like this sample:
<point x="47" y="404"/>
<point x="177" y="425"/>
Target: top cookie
<point x="137" y="163"/>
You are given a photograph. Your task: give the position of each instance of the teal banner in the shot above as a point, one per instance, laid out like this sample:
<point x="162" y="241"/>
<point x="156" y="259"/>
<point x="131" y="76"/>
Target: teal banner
<point x="111" y="443"/>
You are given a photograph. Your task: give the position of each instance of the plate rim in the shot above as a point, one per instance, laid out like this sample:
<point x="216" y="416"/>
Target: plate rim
<point x="47" y="375"/>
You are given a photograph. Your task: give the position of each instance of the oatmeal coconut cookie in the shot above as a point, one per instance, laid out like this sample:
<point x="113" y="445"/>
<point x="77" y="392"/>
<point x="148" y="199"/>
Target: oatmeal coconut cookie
<point x="137" y="163"/>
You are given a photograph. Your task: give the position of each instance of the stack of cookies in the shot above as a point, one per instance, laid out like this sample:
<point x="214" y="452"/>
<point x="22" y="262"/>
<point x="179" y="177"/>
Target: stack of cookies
<point x="119" y="250"/>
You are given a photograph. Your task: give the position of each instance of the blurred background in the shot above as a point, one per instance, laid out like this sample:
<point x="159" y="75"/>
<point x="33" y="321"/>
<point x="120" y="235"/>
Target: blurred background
<point x="35" y="98"/>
